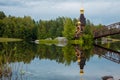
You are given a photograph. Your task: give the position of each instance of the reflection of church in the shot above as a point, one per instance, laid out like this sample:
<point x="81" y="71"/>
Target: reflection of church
<point x="81" y="59"/>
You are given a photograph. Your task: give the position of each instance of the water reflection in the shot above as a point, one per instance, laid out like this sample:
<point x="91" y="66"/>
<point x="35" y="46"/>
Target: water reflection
<point x="80" y="58"/>
<point x="109" y="54"/>
<point x="15" y="58"/>
<point x="12" y="53"/>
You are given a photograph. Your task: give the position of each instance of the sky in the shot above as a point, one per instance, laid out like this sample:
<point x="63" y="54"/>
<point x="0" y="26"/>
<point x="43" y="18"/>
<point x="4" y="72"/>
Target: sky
<point x="97" y="11"/>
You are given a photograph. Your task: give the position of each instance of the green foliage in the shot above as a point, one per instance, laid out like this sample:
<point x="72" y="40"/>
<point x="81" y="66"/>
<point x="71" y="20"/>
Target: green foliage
<point x="16" y="27"/>
<point x="88" y="30"/>
<point x="69" y="29"/>
<point x="2" y="15"/>
<point x="87" y="41"/>
<point x="117" y="36"/>
<point x="50" y="28"/>
<point x="27" y="29"/>
<point x="96" y="28"/>
<point x="87" y="35"/>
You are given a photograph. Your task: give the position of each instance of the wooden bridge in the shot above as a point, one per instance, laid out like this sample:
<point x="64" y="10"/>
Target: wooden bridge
<point x="109" y="54"/>
<point x="107" y="30"/>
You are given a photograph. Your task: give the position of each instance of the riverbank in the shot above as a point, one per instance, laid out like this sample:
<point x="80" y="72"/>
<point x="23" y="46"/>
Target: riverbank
<point x="111" y="39"/>
<point x="9" y="39"/>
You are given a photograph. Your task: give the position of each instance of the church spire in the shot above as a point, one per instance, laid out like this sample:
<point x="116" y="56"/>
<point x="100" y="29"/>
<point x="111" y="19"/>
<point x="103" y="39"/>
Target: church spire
<point x="82" y="19"/>
<point x="82" y="10"/>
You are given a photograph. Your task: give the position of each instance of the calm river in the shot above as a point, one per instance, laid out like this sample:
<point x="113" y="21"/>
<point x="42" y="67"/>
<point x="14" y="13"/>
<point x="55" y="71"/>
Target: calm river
<point x="29" y="61"/>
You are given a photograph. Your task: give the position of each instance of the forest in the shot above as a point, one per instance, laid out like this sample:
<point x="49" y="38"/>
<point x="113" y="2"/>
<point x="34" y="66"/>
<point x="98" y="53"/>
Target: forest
<point x="27" y="28"/>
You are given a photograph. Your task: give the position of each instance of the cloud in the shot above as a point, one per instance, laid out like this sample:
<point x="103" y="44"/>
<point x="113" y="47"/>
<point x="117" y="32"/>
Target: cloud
<point x="104" y="12"/>
<point x="97" y="11"/>
<point x="10" y="3"/>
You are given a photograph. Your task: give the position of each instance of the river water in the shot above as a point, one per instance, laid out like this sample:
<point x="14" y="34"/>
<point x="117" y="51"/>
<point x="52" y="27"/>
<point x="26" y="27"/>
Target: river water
<point x="29" y="61"/>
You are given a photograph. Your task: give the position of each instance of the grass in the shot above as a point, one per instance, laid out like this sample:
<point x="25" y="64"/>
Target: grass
<point x="48" y="41"/>
<point x="76" y="42"/>
<point x="9" y="39"/>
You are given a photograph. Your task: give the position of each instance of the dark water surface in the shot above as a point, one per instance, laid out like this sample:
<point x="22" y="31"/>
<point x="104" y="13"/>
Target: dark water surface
<point x="28" y="61"/>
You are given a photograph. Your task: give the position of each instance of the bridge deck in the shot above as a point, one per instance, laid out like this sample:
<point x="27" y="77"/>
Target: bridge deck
<point x="107" y="30"/>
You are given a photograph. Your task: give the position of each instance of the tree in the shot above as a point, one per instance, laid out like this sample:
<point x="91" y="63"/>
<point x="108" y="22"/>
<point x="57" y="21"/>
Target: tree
<point x="69" y="29"/>
<point x="2" y="15"/>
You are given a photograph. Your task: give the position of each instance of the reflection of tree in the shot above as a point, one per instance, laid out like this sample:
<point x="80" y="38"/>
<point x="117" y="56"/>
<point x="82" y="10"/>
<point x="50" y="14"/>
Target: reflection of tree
<point x="13" y="52"/>
<point x="17" y="52"/>
<point x="25" y="52"/>
<point x="50" y="52"/>
<point x="112" y="45"/>
<point x="69" y="54"/>
<point x="115" y="46"/>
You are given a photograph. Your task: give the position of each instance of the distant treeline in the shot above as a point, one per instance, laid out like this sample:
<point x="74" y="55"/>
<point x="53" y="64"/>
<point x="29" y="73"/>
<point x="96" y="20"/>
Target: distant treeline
<point x="17" y="27"/>
<point x="29" y="29"/>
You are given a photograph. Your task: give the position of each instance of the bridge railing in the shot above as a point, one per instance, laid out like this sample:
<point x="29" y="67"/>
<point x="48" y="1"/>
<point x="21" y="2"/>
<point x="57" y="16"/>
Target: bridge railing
<point x="107" y="30"/>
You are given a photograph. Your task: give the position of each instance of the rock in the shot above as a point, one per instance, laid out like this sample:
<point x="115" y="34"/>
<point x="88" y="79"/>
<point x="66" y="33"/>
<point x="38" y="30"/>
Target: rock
<point x="48" y="39"/>
<point x="37" y="41"/>
<point x="61" y="39"/>
<point x="107" y="78"/>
